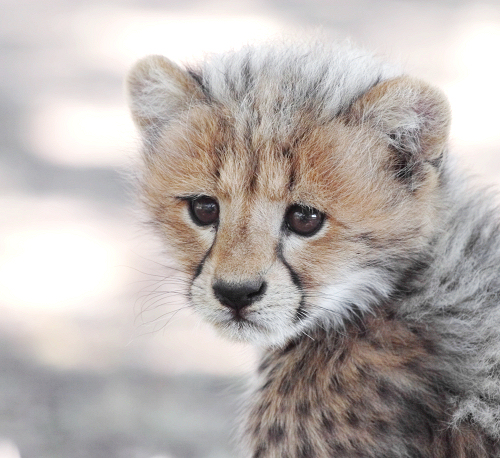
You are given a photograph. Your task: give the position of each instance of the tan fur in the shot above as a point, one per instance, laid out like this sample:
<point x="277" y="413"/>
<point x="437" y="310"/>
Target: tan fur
<point x="343" y="373"/>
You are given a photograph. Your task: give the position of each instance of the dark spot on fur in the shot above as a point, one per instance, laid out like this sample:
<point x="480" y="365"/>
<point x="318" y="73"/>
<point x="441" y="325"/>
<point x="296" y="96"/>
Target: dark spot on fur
<point x="352" y="418"/>
<point x="409" y="282"/>
<point x="327" y="422"/>
<point x="452" y="286"/>
<point x="342" y="356"/>
<point x="376" y="343"/>
<point x="430" y="346"/>
<point x="338" y="449"/>
<point x="415" y="329"/>
<point x="413" y="365"/>
<point x="362" y="330"/>
<point x="289" y="347"/>
<point x="252" y="184"/>
<point x="437" y="162"/>
<point x="382" y="427"/>
<point x="335" y="385"/>
<point x="262" y="408"/>
<point x="417" y="419"/>
<point x="303" y="408"/>
<point x="415" y="452"/>
<point x="305" y="449"/>
<point x="472" y="242"/>
<point x="385" y="391"/>
<point x="286" y="152"/>
<point x="403" y="170"/>
<point x="285" y="387"/>
<point x="219" y="154"/>
<point x="301" y="366"/>
<point x="276" y="433"/>
<point x="259" y="451"/>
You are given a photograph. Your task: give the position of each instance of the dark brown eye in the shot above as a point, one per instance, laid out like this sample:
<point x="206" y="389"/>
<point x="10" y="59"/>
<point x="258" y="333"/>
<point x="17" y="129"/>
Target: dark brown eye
<point x="204" y="210"/>
<point x="303" y="220"/>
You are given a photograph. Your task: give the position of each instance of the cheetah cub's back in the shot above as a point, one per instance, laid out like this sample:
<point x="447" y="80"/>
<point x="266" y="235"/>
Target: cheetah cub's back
<point x="306" y="193"/>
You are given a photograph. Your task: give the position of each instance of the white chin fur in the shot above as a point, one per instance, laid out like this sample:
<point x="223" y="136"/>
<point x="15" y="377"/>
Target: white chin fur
<point x="264" y="325"/>
<point x="259" y="335"/>
<point x="357" y="291"/>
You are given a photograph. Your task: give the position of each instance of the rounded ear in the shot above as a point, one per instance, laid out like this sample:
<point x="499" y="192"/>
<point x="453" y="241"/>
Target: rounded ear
<point x="415" y="117"/>
<point x="159" y="90"/>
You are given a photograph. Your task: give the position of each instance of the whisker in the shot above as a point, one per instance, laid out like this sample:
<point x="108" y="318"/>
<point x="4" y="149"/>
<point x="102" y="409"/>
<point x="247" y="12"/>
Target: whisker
<point x="171" y="318"/>
<point x="147" y="311"/>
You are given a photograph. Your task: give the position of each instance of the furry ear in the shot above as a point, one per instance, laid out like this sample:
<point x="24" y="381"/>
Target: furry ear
<point x="414" y="116"/>
<point x="158" y="90"/>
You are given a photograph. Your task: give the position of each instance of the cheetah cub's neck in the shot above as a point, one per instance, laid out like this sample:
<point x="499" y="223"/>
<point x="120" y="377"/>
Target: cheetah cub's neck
<point x="306" y="193"/>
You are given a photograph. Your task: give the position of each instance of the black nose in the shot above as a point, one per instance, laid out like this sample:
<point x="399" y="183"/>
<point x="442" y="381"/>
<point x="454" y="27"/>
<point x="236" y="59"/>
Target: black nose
<point x="239" y="295"/>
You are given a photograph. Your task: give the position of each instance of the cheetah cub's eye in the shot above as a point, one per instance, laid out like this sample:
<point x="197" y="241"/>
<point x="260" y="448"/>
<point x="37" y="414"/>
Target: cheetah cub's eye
<point x="303" y="220"/>
<point x="204" y="210"/>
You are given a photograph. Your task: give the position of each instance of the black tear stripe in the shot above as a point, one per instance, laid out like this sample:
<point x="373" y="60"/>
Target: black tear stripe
<point x="199" y="268"/>
<point x="300" y="313"/>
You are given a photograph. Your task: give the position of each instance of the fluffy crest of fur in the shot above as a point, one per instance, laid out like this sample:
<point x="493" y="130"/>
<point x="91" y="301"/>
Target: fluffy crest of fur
<point x="281" y="80"/>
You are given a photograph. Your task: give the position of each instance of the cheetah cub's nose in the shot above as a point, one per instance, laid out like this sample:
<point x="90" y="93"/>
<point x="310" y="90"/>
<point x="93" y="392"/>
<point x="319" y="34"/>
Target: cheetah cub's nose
<point x="239" y="295"/>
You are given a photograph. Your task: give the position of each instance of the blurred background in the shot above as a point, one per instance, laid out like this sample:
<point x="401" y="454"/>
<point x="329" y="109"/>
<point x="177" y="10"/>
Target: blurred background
<point x="95" y="361"/>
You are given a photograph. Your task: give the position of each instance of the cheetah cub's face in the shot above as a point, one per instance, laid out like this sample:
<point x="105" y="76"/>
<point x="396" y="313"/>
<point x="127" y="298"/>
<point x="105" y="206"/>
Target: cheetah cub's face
<point x="283" y="216"/>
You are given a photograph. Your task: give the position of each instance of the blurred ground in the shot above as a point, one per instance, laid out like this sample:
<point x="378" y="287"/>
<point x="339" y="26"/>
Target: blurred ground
<point x="93" y="361"/>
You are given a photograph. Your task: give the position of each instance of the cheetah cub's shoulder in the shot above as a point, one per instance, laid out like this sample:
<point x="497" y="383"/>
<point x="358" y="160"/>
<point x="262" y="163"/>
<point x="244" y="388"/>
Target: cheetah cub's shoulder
<point x="307" y="194"/>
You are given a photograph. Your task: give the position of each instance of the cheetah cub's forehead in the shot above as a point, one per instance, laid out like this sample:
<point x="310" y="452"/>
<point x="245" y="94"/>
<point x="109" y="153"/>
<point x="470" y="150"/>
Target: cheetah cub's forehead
<point x="289" y="183"/>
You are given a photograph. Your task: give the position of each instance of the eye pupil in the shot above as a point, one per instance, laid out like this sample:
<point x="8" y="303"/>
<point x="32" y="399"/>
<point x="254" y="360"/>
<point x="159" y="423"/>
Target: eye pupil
<point x="303" y="220"/>
<point x="204" y="210"/>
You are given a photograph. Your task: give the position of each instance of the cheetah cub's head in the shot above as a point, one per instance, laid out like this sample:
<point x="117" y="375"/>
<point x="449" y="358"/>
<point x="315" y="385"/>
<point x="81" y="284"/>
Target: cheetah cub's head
<point x="295" y="188"/>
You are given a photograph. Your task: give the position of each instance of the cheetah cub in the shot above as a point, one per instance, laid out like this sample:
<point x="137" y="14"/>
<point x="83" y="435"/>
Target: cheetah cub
<point x="307" y="194"/>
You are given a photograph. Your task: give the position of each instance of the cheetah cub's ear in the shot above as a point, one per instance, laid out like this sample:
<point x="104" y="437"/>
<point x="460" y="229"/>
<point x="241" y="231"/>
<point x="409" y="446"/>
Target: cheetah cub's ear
<point x="158" y="91"/>
<point x="415" y="119"/>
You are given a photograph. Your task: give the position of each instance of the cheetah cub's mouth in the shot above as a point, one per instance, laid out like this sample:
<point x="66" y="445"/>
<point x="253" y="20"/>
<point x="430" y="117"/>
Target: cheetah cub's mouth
<point x="289" y="207"/>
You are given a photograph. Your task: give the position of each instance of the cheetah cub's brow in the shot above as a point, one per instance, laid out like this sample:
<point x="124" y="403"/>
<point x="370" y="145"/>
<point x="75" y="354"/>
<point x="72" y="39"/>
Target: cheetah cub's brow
<point x="307" y="193"/>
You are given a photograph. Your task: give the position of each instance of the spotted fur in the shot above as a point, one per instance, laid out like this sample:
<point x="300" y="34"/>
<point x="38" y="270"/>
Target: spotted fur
<point x="380" y="331"/>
